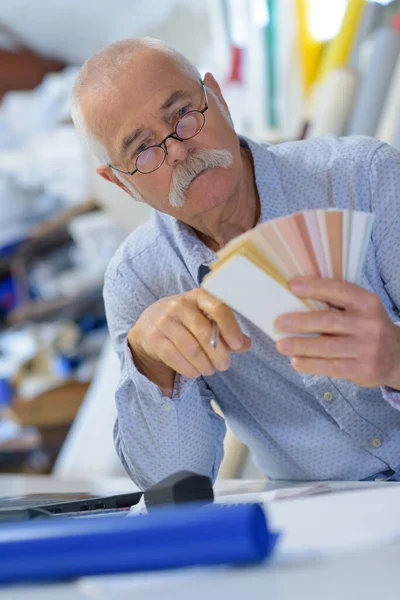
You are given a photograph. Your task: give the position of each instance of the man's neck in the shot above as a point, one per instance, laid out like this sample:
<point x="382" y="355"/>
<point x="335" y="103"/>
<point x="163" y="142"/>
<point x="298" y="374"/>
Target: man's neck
<point x="241" y="212"/>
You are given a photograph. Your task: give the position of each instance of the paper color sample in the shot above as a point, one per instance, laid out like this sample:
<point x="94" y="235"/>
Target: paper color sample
<point x="273" y="237"/>
<point x="347" y="216"/>
<point x="311" y="220"/>
<point x="252" y="293"/>
<point x="360" y="233"/>
<point x="325" y="241"/>
<point x="334" y="224"/>
<point x="252" y="273"/>
<point x="288" y="228"/>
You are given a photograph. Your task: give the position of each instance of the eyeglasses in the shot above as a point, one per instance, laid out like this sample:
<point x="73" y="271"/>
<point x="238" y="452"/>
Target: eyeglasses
<point x="187" y="127"/>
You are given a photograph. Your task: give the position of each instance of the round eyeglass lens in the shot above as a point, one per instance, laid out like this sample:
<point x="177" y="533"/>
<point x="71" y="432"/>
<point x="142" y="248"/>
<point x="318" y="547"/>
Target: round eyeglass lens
<point x="190" y="125"/>
<point x="149" y="160"/>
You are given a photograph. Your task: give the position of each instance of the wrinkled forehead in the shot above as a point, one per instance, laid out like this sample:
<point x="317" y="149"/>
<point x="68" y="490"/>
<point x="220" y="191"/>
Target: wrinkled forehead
<point x="134" y="100"/>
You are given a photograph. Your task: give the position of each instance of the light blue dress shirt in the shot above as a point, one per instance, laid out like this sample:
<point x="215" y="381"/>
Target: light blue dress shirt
<point x="298" y="427"/>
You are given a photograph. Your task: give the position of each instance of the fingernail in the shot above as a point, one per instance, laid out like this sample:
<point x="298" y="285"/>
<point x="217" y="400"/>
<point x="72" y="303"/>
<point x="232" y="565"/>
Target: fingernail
<point x="236" y="343"/>
<point x="247" y="342"/>
<point x="223" y="365"/>
<point x="295" y="363"/>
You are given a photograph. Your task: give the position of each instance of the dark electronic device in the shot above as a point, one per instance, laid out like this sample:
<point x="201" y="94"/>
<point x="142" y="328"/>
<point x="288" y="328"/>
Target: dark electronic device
<point x="180" y="487"/>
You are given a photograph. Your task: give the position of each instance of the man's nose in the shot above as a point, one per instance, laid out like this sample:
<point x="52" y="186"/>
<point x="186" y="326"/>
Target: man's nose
<point x="176" y="151"/>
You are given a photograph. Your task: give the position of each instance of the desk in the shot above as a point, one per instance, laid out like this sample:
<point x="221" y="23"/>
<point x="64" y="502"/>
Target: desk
<point x="370" y="574"/>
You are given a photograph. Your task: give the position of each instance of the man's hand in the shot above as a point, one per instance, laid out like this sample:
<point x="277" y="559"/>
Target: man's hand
<point x="173" y="336"/>
<point x="359" y="342"/>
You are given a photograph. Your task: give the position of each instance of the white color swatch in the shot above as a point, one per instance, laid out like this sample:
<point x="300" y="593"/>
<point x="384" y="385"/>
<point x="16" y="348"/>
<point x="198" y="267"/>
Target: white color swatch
<point x="250" y="291"/>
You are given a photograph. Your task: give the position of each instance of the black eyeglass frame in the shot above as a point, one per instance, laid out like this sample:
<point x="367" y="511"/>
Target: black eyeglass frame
<point x="174" y="135"/>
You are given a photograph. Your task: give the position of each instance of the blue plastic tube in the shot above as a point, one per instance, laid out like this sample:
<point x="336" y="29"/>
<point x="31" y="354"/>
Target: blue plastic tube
<point x="168" y="538"/>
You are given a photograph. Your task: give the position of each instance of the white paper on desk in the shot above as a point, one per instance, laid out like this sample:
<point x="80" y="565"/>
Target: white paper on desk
<point x="337" y="522"/>
<point x="250" y="291"/>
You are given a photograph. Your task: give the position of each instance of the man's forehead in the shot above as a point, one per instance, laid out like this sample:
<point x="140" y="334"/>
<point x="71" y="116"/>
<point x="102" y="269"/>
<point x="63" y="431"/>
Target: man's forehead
<point x="137" y="106"/>
<point x="137" y="96"/>
<point x="151" y="83"/>
<point x="146" y="81"/>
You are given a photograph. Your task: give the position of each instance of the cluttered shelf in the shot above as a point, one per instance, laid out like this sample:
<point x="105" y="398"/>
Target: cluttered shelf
<point x="50" y="235"/>
<point x="40" y="310"/>
<point x="53" y="330"/>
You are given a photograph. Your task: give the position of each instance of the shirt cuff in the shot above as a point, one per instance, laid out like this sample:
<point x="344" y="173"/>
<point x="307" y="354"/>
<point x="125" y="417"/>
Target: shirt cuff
<point x="181" y="384"/>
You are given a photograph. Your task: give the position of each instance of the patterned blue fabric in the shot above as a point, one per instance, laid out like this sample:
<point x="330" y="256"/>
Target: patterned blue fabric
<point x="294" y="429"/>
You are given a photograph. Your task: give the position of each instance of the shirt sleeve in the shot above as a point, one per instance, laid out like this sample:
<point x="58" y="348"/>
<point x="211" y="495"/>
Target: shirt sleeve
<point x="156" y="435"/>
<point x="385" y="202"/>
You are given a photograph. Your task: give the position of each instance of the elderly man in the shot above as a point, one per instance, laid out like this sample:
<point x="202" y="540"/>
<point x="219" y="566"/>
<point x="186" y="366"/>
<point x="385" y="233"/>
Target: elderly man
<point x="309" y="408"/>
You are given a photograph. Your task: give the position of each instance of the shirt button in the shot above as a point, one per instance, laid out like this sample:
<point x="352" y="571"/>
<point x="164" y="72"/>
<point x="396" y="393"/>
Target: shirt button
<point x="376" y="442"/>
<point x="166" y="406"/>
<point x="328" y="396"/>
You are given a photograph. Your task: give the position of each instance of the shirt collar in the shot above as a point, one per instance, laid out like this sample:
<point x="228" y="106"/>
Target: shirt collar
<point x="272" y="197"/>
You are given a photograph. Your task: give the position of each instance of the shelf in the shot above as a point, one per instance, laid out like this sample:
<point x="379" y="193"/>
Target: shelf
<point x="51" y="234"/>
<point x="42" y="310"/>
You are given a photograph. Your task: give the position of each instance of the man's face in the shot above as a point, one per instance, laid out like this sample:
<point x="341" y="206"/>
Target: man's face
<point x="142" y="110"/>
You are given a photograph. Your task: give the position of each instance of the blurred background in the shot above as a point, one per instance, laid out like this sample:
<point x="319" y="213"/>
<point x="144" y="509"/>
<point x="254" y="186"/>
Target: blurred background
<point x="289" y="70"/>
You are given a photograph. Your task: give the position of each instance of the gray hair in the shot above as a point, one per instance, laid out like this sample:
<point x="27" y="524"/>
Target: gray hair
<point x="99" y="72"/>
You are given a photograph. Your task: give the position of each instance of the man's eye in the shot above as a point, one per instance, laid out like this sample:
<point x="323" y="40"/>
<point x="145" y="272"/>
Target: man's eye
<point x="141" y="148"/>
<point x="182" y="111"/>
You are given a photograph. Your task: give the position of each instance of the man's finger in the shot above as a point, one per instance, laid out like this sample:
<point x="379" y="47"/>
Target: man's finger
<point x="319" y="347"/>
<point x="200" y="328"/>
<point x="338" y="293"/>
<point x="246" y="344"/>
<point x="334" y="322"/>
<point x="170" y="356"/>
<point x="334" y="368"/>
<point x="224" y="317"/>
<point x="190" y="348"/>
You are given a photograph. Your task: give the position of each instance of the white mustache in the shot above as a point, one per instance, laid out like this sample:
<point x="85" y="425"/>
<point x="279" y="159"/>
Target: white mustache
<point x="194" y="164"/>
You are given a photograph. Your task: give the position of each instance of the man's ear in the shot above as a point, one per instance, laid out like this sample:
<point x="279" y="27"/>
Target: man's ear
<point x="109" y="175"/>
<point x="212" y="83"/>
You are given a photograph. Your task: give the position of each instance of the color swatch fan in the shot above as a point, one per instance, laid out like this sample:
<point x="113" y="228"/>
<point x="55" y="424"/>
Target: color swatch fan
<point x="253" y="271"/>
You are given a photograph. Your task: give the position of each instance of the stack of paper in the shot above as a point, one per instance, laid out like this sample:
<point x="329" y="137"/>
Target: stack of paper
<point x="253" y="271"/>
